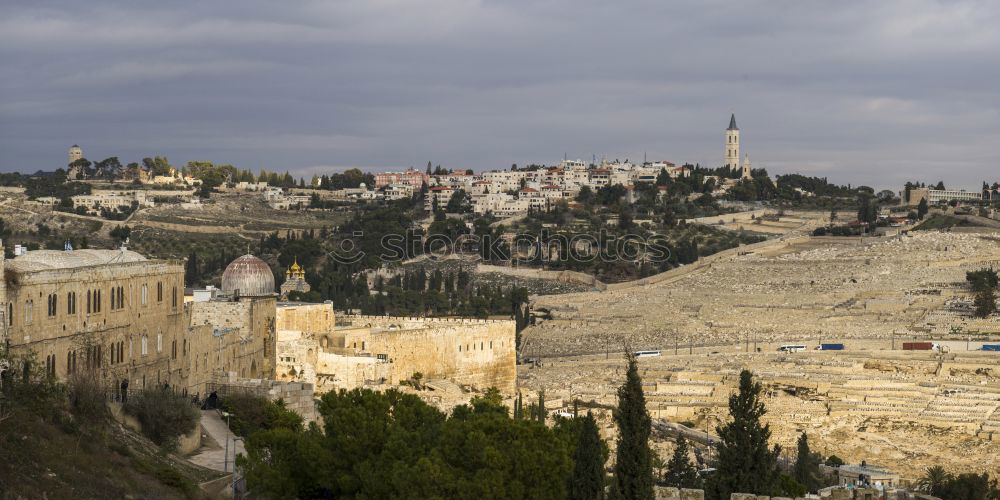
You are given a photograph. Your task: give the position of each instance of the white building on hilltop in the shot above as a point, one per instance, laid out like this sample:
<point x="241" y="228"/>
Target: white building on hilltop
<point x="75" y="153"/>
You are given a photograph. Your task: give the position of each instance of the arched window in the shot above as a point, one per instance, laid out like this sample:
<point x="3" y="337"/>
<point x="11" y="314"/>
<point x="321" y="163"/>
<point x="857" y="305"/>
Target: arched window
<point x="28" y="311"/>
<point x="173" y="298"/>
<point x="159" y="291"/>
<point x="88" y="301"/>
<point x="144" y="347"/>
<point x="114" y="298"/>
<point x="144" y="294"/>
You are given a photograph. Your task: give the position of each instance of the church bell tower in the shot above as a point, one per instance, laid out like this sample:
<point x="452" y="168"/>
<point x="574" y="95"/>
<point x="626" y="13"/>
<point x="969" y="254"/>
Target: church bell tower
<point x="733" y="144"/>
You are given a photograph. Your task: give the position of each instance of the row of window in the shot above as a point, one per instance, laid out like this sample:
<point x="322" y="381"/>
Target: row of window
<point x="93" y="356"/>
<point x="94" y="302"/>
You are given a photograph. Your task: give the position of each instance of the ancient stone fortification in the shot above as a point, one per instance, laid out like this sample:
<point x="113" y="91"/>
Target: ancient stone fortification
<point x="240" y="338"/>
<point x="357" y="351"/>
<point x="296" y="396"/>
<point x="477" y="353"/>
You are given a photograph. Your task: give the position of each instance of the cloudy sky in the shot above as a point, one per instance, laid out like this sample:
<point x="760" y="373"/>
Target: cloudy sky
<point x="861" y="92"/>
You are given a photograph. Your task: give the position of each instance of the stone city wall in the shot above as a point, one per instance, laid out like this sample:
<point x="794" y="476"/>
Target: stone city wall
<point x="247" y="329"/>
<point x="297" y="396"/>
<point x="478" y="353"/>
<point x="306" y="318"/>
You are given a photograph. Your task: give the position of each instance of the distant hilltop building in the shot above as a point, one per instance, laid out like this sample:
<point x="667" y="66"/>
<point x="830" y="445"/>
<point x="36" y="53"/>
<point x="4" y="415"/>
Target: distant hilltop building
<point x="75" y="153"/>
<point x="295" y="280"/>
<point x="733" y="149"/>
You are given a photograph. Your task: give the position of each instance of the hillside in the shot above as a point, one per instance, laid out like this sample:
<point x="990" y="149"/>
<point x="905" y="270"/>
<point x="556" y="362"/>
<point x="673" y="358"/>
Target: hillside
<point x="58" y="441"/>
<point x="46" y="459"/>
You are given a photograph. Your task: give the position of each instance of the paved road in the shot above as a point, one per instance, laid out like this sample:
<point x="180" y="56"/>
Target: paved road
<point x="214" y="457"/>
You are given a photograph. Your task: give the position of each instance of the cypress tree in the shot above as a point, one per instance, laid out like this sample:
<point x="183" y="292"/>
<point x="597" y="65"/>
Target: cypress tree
<point x="746" y="463"/>
<point x="680" y="472"/>
<point x="587" y="480"/>
<point x="541" y="406"/>
<point x="922" y="208"/>
<point x="633" y="476"/>
<point x="806" y="469"/>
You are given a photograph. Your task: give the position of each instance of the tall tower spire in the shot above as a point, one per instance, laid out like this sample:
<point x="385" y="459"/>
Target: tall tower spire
<point x="733" y="144"/>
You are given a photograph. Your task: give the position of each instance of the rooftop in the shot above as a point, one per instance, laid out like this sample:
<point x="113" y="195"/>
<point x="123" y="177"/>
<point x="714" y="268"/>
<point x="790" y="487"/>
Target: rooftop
<point x="867" y="469"/>
<point x="44" y="260"/>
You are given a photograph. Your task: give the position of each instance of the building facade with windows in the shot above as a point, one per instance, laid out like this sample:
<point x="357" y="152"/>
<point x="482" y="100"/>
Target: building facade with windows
<point x="109" y="312"/>
<point x="115" y="315"/>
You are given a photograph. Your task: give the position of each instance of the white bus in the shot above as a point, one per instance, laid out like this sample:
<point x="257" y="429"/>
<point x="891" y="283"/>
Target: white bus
<point x="792" y="348"/>
<point x="646" y="354"/>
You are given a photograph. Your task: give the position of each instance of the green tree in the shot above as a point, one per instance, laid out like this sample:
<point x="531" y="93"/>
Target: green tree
<point x="192" y="269"/>
<point x="662" y="179"/>
<point x="633" y="472"/>
<point x="587" y="479"/>
<point x="985" y="302"/>
<point x="681" y="473"/>
<point x="922" y="208"/>
<point x="934" y="480"/>
<point x="806" y="470"/>
<point x="393" y="445"/>
<point x="970" y="486"/>
<point x="746" y="463"/>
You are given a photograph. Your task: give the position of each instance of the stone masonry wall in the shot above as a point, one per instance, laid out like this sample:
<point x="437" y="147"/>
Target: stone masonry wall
<point x="479" y="353"/>
<point x="309" y="319"/>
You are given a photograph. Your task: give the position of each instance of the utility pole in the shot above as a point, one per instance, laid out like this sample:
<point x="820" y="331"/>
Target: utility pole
<point x="234" y="464"/>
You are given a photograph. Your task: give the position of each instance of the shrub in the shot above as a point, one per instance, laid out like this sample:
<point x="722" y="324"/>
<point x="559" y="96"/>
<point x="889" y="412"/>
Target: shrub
<point x="164" y="416"/>
<point x="86" y="397"/>
<point x="254" y="413"/>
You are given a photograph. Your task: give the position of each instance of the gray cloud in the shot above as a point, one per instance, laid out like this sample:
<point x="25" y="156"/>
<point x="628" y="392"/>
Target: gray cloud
<point x="862" y="92"/>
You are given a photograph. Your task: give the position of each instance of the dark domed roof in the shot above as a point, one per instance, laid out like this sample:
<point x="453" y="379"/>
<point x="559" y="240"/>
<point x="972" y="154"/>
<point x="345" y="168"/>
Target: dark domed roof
<point x="248" y="276"/>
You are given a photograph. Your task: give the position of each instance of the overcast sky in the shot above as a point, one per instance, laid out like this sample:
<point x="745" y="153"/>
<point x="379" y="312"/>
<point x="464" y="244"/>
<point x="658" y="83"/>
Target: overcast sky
<point x="860" y="92"/>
